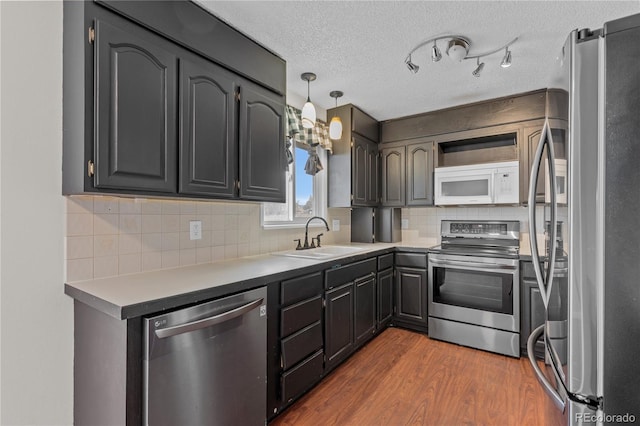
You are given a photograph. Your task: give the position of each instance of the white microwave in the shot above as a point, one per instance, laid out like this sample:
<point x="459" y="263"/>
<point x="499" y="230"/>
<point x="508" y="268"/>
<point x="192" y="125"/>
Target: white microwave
<point x="490" y="183"/>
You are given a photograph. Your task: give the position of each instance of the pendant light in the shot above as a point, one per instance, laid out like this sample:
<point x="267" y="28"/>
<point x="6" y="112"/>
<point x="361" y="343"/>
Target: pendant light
<point x="335" y="127"/>
<point x="308" y="114"/>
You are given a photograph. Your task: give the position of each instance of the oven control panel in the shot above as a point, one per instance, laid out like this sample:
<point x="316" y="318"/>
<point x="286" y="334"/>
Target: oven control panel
<point x="478" y="228"/>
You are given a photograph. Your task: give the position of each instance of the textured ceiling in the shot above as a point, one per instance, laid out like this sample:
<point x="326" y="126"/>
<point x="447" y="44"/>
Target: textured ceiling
<point x="359" y="47"/>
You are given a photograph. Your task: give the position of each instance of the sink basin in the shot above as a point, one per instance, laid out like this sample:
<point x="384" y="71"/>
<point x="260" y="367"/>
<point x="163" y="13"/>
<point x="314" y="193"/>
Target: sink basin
<point x="320" y="253"/>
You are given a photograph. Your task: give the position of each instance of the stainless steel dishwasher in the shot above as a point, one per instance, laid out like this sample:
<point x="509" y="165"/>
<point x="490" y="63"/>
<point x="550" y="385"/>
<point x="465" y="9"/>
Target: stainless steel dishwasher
<point x="207" y="364"/>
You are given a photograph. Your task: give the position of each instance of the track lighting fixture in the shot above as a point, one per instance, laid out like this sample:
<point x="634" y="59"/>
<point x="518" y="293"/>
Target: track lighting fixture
<point x="458" y="49"/>
<point x="335" y="126"/>
<point x="435" y="52"/>
<point x="308" y="114"/>
<point x="478" y="70"/>
<point x="506" y="60"/>
<point x="412" y="67"/>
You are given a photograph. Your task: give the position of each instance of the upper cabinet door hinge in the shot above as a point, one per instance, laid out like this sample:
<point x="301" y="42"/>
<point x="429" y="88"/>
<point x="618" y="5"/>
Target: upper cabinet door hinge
<point x="91" y="169"/>
<point x="92" y="35"/>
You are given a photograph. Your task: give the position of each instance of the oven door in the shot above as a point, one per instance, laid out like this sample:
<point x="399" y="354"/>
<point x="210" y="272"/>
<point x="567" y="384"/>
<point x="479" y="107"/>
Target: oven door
<point x="476" y="290"/>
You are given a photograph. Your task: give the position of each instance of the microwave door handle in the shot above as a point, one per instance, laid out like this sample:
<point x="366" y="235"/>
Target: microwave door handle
<point x="546" y="385"/>
<point x="533" y="239"/>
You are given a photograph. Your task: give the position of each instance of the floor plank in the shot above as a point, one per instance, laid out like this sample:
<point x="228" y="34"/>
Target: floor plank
<point x="405" y="378"/>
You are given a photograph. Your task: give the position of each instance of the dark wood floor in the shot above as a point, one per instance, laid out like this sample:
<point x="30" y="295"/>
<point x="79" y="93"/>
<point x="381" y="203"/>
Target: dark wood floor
<point x="405" y="378"/>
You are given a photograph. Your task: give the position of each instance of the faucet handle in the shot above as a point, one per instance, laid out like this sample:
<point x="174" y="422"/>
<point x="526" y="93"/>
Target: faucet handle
<point x="299" y="246"/>
<point x="318" y="238"/>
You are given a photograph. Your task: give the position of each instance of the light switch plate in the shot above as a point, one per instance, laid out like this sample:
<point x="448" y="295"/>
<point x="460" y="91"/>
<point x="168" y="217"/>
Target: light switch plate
<point x="335" y="225"/>
<point x="195" y="229"/>
<point x="405" y="223"/>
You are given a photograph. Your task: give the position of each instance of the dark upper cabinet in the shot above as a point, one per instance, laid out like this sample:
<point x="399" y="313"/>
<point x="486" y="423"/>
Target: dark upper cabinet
<point x="365" y="308"/>
<point x="144" y="114"/>
<point x="411" y="295"/>
<point x="364" y="180"/>
<point x="393" y="176"/>
<point x="407" y="174"/>
<point x="385" y="297"/>
<point x="354" y="164"/>
<point x="135" y="72"/>
<point x="338" y="323"/>
<point x="208" y="148"/>
<point x="420" y="174"/>
<point x="262" y="160"/>
<point x="531" y="132"/>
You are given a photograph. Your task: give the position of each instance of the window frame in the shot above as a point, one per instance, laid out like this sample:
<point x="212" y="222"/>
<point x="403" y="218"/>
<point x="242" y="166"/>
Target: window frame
<point x="319" y="196"/>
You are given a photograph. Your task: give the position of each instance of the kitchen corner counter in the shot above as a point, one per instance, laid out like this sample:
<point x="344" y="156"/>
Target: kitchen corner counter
<point x="134" y="295"/>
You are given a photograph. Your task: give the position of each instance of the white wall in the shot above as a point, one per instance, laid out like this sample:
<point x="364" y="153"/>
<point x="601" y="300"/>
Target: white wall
<point x="36" y="316"/>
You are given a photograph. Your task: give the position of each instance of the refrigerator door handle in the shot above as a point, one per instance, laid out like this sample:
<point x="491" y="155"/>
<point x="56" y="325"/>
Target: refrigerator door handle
<point x="546" y="385"/>
<point x="554" y="210"/>
<point x="533" y="239"/>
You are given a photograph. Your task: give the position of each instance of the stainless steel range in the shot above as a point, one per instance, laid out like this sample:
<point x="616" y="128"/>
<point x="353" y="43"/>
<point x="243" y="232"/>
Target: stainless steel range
<point x="474" y="297"/>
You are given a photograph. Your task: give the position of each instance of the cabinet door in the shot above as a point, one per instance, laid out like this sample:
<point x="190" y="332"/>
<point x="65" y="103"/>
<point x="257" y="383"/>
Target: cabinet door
<point x="262" y="161"/>
<point x="359" y="158"/>
<point x="420" y="174"/>
<point x="338" y="324"/>
<point x="533" y="314"/>
<point x="135" y="101"/>
<point x="208" y="160"/>
<point x="372" y="174"/>
<point x="365" y="308"/>
<point x="411" y="294"/>
<point x="385" y="296"/>
<point x="531" y="136"/>
<point x="393" y="176"/>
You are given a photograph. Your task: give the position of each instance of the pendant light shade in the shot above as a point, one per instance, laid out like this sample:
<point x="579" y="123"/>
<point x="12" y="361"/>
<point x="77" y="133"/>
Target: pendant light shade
<point x="308" y="114"/>
<point x="335" y="126"/>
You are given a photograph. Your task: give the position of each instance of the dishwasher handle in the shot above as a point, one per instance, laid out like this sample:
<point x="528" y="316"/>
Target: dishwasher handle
<point x="209" y="321"/>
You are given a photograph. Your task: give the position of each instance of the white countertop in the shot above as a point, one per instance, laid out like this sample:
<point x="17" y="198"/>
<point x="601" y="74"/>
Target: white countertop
<point x="126" y="296"/>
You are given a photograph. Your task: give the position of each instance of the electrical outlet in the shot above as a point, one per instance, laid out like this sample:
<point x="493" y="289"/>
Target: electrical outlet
<point x="195" y="229"/>
<point x="405" y="223"/>
<point x="335" y="225"/>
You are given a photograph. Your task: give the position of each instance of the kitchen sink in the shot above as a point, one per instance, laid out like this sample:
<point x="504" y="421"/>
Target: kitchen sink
<point x="320" y="253"/>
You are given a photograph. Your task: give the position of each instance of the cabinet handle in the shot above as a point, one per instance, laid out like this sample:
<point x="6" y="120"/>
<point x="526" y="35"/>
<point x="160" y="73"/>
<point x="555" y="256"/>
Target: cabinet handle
<point x="90" y="168"/>
<point x="92" y="35"/>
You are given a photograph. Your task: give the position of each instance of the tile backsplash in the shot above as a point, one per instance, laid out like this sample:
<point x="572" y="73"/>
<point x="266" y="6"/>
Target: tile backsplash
<point x="424" y="223"/>
<point x="109" y="236"/>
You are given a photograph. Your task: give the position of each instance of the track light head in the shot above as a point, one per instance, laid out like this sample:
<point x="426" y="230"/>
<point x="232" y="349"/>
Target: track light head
<point x="435" y="53"/>
<point x="478" y="70"/>
<point x="411" y="66"/>
<point x="506" y="60"/>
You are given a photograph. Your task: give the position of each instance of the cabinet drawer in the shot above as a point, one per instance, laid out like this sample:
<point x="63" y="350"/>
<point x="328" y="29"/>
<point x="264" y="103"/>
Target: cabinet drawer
<point x="385" y="261"/>
<point x="301" y="288"/>
<point x="300" y="315"/>
<point x="415" y="260"/>
<point x="299" y="345"/>
<point x="302" y="377"/>
<point x="344" y="274"/>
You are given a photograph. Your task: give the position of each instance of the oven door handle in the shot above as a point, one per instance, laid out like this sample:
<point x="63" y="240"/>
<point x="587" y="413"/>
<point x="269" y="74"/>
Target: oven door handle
<point x="473" y="265"/>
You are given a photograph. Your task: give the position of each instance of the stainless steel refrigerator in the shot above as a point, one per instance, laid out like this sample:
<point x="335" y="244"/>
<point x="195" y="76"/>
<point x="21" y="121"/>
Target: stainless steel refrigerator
<point x="589" y="170"/>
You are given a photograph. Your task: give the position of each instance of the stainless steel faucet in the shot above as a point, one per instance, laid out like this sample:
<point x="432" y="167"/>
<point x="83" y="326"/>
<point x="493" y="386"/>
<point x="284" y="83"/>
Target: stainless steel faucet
<point x="306" y="235"/>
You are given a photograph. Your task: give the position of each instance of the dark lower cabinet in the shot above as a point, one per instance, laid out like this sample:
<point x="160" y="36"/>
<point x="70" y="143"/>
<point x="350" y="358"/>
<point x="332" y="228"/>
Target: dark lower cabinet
<point x="385" y="297"/>
<point x="365" y="308"/>
<point x="339" y="321"/>
<point x="208" y="154"/>
<point x="135" y="109"/>
<point x="411" y="294"/>
<point x="532" y="312"/>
